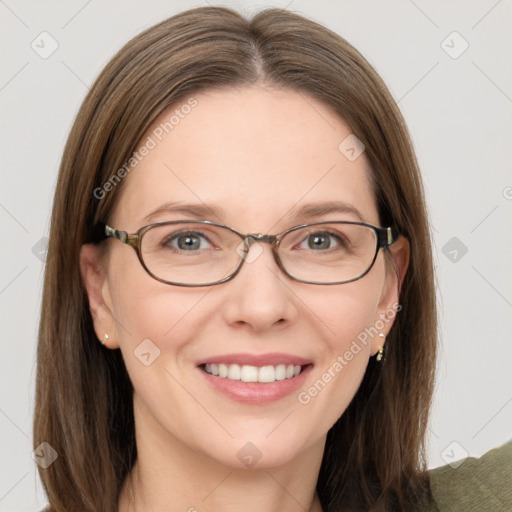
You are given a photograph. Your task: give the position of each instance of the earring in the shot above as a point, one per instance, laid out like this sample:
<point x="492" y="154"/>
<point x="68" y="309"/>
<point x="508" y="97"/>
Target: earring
<point x="105" y="339"/>
<point x="380" y="353"/>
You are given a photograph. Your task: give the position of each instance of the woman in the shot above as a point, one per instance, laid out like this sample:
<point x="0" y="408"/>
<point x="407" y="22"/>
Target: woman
<point x="268" y="340"/>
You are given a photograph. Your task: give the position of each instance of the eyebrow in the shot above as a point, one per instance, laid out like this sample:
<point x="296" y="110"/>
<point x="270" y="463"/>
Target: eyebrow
<point x="205" y="212"/>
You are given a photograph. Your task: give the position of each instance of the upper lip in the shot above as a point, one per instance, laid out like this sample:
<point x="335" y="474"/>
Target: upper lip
<point x="271" y="359"/>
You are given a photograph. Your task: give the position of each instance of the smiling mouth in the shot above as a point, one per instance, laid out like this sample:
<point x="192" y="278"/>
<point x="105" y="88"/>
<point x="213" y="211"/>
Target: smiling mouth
<point x="246" y="373"/>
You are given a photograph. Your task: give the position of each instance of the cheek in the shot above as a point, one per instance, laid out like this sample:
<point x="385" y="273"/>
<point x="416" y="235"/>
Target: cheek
<point x="347" y="314"/>
<point x="166" y="317"/>
<point x="158" y="324"/>
<point x="150" y="317"/>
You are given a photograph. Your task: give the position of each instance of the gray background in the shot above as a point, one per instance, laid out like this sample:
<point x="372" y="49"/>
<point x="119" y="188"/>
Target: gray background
<point x="458" y="108"/>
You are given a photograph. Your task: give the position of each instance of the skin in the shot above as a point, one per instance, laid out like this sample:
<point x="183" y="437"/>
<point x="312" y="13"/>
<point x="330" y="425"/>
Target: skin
<point x="260" y="153"/>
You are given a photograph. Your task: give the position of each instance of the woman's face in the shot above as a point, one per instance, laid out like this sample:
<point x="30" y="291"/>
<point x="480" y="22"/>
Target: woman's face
<point x="255" y="156"/>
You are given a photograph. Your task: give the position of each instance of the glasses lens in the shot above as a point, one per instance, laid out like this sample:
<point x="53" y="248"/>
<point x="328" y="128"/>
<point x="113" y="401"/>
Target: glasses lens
<point x="190" y="252"/>
<point x="328" y="253"/>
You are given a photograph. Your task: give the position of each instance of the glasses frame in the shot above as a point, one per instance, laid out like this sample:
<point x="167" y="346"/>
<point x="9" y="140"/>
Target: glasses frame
<point x="384" y="238"/>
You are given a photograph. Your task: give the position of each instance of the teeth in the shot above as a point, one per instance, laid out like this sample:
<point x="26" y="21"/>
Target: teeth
<point x="234" y="372"/>
<point x="280" y="372"/>
<point x="247" y="373"/>
<point x="267" y="374"/>
<point x="223" y="370"/>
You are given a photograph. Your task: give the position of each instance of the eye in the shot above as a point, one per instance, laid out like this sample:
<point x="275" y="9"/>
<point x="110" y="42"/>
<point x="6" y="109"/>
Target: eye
<point x="187" y="241"/>
<point x="321" y="240"/>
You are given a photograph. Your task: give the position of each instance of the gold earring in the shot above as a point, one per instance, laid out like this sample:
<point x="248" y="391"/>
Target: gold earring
<point x="105" y="339"/>
<point x="380" y="353"/>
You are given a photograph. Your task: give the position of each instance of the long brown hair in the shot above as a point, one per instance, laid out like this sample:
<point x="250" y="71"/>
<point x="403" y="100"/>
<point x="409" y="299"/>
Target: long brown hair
<point x="374" y="457"/>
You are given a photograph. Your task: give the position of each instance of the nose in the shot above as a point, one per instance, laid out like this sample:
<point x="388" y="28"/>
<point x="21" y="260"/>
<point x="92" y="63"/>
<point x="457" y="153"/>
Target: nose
<point x="259" y="296"/>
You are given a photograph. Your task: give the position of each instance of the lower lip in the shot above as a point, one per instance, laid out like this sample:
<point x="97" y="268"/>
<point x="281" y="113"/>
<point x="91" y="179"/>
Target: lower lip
<point x="257" y="393"/>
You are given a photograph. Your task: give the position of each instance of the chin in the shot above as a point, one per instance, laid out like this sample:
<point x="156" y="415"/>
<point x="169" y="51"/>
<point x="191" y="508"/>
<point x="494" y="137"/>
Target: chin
<point x="261" y="451"/>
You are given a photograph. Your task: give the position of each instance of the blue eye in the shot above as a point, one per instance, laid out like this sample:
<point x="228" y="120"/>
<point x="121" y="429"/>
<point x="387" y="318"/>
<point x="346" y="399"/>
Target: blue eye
<point x="187" y="241"/>
<point x="321" y="241"/>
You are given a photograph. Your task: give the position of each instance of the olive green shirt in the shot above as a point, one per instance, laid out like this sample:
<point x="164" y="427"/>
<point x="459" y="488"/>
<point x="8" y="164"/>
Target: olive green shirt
<point x="476" y="485"/>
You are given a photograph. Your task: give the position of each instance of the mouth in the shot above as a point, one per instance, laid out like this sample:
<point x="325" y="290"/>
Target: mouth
<point x="248" y="373"/>
<point x="255" y="379"/>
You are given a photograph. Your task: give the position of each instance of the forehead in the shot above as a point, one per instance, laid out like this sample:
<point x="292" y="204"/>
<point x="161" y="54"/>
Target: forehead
<point x="256" y="153"/>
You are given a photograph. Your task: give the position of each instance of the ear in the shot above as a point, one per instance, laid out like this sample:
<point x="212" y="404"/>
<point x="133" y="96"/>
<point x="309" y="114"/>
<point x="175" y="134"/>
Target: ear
<point x="100" y="303"/>
<point x="396" y="268"/>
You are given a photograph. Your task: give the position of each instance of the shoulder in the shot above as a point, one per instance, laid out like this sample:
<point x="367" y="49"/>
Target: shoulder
<point x="476" y="484"/>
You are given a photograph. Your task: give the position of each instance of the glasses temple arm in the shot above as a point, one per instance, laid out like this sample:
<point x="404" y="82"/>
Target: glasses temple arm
<point x="388" y="236"/>
<point x="122" y="236"/>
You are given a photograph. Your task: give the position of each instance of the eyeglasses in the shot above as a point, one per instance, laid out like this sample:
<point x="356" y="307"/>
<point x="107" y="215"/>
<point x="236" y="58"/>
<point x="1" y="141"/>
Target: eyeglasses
<point x="204" y="253"/>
